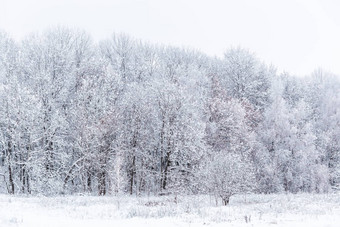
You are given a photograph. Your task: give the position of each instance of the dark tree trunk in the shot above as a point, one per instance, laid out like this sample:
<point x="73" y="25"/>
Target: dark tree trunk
<point x="102" y="183"/>
<point x="132" y="174"/>
<point x="89" y="182"/>
<point x="23" y="179"/>
<point x="225" y="200"/>
<point x="28" y="184"/>
<point x="10" y="178"/>
<point x="10" y="173"/>
<point x="166" y="170"/>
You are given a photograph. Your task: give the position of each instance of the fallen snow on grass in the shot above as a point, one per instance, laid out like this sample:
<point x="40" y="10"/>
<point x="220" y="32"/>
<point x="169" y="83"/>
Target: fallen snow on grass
<point x="244" y="210"/>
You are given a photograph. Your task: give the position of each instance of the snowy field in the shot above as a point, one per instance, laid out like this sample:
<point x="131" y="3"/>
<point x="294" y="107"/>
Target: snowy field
<point x="250" y="210"/>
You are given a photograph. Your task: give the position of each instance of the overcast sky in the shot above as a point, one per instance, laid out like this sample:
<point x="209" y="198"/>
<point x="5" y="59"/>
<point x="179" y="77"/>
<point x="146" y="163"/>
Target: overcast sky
<point x="295" y="35"/>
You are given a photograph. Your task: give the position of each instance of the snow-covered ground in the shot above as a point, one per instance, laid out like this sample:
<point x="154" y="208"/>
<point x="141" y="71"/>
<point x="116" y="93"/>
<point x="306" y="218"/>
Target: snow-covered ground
<point x="250" y="210"/>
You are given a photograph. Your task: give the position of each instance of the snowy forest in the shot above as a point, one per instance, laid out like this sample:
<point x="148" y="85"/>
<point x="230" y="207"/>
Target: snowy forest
<point x="124" y="116"/>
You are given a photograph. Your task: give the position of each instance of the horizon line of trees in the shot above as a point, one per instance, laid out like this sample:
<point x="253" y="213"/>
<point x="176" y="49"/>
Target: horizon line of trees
<point x="125" y="116"/>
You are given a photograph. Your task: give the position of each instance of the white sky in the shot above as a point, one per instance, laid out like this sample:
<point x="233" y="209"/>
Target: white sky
<point x="295" y="35"/>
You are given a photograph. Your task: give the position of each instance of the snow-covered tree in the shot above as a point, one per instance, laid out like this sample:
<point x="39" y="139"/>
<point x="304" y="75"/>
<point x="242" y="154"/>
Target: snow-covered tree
<point x="125" y="116"/>
<point x="230" y="167"/>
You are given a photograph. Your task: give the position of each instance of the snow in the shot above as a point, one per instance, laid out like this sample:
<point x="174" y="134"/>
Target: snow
<point x="243" y="210"/>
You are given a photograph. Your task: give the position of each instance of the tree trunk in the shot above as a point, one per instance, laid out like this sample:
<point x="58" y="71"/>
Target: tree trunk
<point x="132" y="174"/>
<point x="102" y="183"/>
<point x="89" y="182"/>
<point x="28" y="184"/>
<point x="166" y="169"/>
<point x="10" y="173"/>
<point x="23" y="179"/>
<point x="225" y="200"/>
<point x="10" y="178"/>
